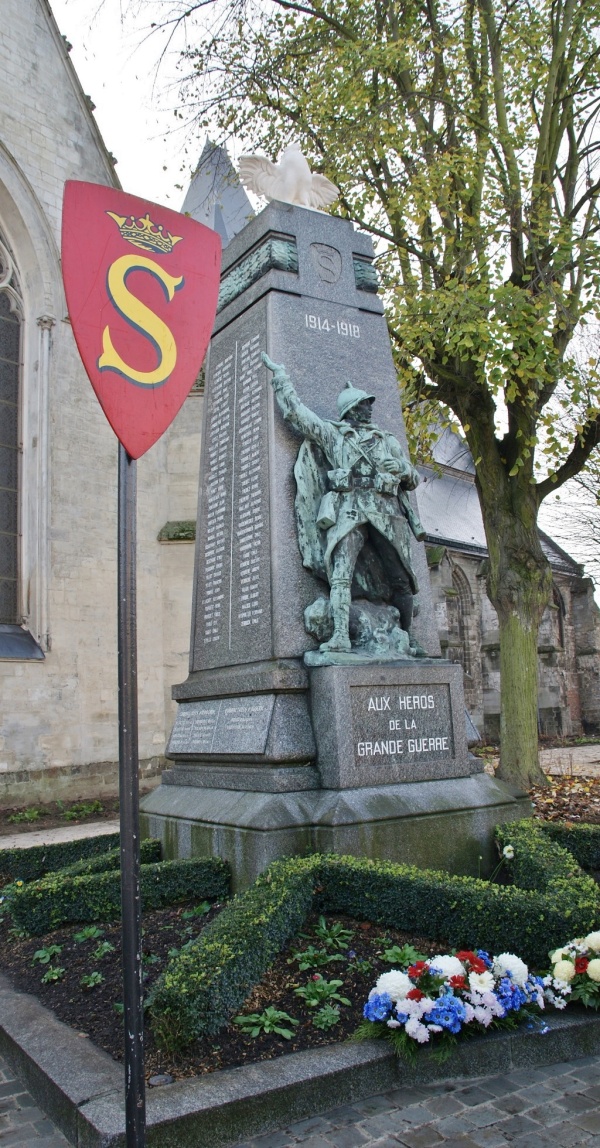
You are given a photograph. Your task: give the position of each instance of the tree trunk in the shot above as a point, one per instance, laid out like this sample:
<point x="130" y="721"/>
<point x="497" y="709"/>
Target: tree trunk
<point x="519" y="763"/>
<point x="519" y="587"/>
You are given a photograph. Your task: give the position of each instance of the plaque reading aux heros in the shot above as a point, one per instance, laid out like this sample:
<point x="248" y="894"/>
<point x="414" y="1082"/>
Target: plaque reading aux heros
<point x="402" y="723"/>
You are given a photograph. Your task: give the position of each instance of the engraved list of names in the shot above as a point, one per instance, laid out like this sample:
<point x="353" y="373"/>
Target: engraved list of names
<point x="234" y="582"/>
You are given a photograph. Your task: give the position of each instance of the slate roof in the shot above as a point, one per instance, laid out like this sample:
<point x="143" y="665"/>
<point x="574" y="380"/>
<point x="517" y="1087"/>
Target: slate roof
<point x="449" y="505"/>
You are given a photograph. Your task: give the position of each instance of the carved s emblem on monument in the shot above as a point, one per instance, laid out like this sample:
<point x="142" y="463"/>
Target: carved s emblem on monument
<point x="327" y="261"/>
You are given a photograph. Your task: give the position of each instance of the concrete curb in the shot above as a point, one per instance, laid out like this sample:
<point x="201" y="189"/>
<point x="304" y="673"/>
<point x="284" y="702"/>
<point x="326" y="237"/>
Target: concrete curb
<point x="81" y="1088"/>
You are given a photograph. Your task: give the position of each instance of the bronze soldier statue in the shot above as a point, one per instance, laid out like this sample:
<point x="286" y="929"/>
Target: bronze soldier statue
<point x="353" y="514"/>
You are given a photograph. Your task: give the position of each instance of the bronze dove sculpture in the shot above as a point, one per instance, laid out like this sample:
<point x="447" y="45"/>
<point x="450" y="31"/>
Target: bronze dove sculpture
<point x="290" y="180"/>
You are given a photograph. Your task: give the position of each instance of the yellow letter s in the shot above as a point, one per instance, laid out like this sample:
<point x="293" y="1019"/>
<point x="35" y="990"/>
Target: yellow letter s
<point x="142" y="318"/>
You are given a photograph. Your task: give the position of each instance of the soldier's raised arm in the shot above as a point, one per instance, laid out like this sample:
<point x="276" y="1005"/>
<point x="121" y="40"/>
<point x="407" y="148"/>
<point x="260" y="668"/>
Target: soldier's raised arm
<point x="293" y="409"/>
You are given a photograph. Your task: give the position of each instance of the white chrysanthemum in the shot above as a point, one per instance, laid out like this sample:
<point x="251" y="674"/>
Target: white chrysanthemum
<point x="593" y="970"/>
<point x="417" y="1030"/>
<point x="393" y="1023"/>
<point x="508" y="963"/>
<point x="481" y="982"/>
<point x="592" y="941"/>
<point x="508" y="852"/>
<point x="447" y="966"/>
<point x="564" y="971"/>
<point x="427" y="1004"/>
<point x="411" y="1008"/>
<point x="469" y="1013"/>
<point x="395" y="983"/>
<point x="558" y="955"/>
<point x="485" y="1016"/>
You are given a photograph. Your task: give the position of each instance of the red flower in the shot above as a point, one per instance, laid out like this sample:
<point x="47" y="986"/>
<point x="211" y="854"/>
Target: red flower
<point x="415" y="995"/>
<point x="581" y="964"/>
<point x="467" y="955"/>
<point x="416" y="969"/>
<point x="478" y="966"/>
<point x="457" y="982"/>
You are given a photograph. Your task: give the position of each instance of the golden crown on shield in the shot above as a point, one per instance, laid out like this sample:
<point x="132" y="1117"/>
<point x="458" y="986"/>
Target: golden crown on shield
<point x="144" y="233"/>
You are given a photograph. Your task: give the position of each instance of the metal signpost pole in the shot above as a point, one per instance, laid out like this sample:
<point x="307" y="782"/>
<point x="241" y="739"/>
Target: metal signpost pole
<point x="131" y="929"/>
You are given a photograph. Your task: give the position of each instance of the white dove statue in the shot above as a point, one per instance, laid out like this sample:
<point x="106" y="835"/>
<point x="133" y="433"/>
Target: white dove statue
<point x="290" y="180"/>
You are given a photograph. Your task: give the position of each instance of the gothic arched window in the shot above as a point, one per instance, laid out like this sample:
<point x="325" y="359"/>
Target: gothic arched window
<point x="11" y="318"/>
<point x="462" y="619"/>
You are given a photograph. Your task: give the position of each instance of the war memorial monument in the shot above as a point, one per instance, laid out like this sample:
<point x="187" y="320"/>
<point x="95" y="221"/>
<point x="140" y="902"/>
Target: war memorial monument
<point x="318" y="714"/>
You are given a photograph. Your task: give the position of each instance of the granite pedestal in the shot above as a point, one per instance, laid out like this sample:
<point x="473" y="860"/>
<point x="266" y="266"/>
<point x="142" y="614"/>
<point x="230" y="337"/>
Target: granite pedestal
<point x="269" y="757"/>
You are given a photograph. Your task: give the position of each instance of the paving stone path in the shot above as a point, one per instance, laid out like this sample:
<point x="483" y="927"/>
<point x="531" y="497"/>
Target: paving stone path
<point x="531" y="1108"/>
<point x="557" y="1106"/>
<point x="22" y="1123"/>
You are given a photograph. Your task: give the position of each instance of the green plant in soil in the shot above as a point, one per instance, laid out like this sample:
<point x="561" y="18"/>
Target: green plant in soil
<point x="16" y="934"/>
<point x="45" y="955"/>
<point x="103" y="949"/>
<point x="335" y="936"/>
<point x="198" y="911"/>
<point x="119" y="1007"/>
<point x="89" y="933"/>
<point x="53" y="973"/>
<point x="150" y="959"/>
<point x="402" y="956"/>
<point x="27" y="815"/>
<point x="361" y="965"/>
<point x="81" y="809"/>
<point x="326" y="1017"/>
<point x="271" y="1020"/>
<point x="319" y="990"/>
<point x="91" y="980"/>
<point x="312" y="958"/>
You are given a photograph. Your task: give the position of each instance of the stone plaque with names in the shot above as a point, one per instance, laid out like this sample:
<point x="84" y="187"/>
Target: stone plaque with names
<point x="222" y="726"/>
<point x="233" y="621"/>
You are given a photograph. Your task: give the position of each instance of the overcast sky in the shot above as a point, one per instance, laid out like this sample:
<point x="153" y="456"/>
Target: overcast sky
<point x="117" y="65"/>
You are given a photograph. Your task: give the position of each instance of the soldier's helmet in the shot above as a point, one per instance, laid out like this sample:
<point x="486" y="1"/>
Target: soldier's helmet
<point x="350" y="397"/>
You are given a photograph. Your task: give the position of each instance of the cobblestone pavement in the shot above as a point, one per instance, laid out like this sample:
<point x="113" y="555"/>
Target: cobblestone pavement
<point x="22" y="1124"/>
<point x="553" y="1107"/>
<point x="531" y="1108"/>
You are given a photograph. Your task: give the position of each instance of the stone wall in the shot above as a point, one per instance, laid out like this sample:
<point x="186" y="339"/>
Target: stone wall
<point x="568" y="645"/>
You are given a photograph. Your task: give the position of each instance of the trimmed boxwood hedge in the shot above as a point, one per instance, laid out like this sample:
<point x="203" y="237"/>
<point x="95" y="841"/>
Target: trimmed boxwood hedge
<point x="206" y="984"/>
<point x="202" y="987"/>
<point x="583" y="841"/>
<point x="31" y="862"/>
<point x="150" y="850"/>
<point x="60" y="900"/>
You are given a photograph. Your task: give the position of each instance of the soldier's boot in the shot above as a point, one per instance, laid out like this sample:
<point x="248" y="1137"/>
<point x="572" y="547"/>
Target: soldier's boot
<point x="404" y="604"/>
<point x="339" y="598"/>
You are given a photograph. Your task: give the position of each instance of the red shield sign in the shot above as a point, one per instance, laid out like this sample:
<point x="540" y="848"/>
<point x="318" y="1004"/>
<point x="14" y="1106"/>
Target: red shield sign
<point x="141" y="283"/>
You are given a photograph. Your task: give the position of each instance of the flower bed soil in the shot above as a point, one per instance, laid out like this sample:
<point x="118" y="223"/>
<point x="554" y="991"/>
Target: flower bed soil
<point x="91" y="1012"/>
<point x="52" y="815"/>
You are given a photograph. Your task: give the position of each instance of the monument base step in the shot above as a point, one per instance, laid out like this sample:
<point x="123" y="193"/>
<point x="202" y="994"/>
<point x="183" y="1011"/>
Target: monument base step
<point x="446" y="824"/>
